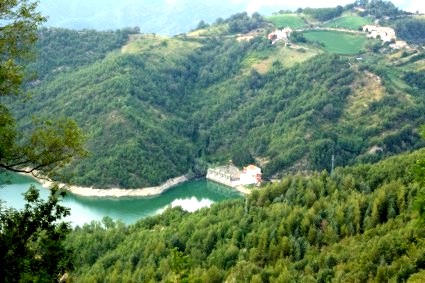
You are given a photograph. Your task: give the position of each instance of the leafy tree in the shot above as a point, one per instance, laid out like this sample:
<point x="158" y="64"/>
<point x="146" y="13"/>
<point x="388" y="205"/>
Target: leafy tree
<point x="298" y="37"/>
<point x="242" y="23"/>
<point x="31" y="240"/>
<point x="419" y="167"/>
<point x="380" y="8"/>
<point x="16" y="17"/>
<point x="324" y="14"/>
<point x="202" y="25"/>
<point x="49" y="143"/>
<point x="201" y="104"/>
<point x="416" y="79"/>
<point x="419" y="174"/>
<point x="273" y="235"/>
<point x="411" y="30"/>
<point x="242" y="157"/>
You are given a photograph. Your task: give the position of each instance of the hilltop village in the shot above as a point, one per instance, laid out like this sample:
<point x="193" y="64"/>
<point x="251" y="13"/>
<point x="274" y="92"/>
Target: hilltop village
<point x="386" y="34"/>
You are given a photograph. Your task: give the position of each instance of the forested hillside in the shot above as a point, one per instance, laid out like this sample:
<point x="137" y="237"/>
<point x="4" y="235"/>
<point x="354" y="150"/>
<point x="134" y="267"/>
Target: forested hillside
<point x="338" y="133"/>
<point x="156" y="107"/>
<point x="358" y="224"/>
<point x="61" y="50"/>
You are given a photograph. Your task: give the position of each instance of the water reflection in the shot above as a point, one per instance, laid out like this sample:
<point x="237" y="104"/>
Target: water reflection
<point x="192" y="204"/>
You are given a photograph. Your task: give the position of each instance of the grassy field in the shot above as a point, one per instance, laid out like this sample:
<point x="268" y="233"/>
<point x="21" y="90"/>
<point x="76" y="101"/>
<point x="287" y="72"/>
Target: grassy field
<point x="287" y="56"/>
<point x="287" y="20"/>
<point x="338" y="42"/>
<point x="348" y="22"/>
<point x="155" y="44"/>
<point x="213" y="30"/>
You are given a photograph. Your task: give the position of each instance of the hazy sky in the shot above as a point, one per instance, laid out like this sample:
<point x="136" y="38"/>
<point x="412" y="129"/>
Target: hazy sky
<point x="171" y="17"/>
<point x="255" y="5"/>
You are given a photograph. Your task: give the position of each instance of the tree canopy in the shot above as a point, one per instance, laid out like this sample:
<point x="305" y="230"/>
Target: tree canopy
<point x="357" y="224"/>
<point x="48" y="143"/>
<point x="31" y="240"/>
<point x="152" y="107"/>
<point x="16" y="17"/>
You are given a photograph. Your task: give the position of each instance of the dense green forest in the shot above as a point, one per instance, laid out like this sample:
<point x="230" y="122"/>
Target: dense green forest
<point x="61" y="50"/>
<point x="324" y="14"/>
<point x="154" y="107"/>
<point x="358" y="224"/>
<point x="412" y="30"/>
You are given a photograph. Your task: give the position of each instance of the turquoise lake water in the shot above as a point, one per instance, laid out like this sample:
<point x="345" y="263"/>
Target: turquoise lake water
<point x="190" y="196"/>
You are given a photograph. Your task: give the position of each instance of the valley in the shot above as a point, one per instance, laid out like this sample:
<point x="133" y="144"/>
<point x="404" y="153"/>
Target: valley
<point x="154" y="108"/>
<point x="325" y="104"/>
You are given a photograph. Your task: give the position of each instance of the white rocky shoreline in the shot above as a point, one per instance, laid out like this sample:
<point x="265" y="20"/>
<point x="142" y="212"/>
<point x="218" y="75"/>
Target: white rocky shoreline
<point x="117" y="192"/>
<point x="120" y="193"/>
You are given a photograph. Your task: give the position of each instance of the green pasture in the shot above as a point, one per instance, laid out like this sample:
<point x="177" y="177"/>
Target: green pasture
<point x="287" y="56"/>
<point x="286" y="20"/>
<point x="161" y="45"/>
<point x="338" y="42"/>
<point x="214" y="30"/>
<point x="348" y="22"/>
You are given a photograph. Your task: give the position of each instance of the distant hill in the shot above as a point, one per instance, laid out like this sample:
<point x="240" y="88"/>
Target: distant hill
<point x="166" y="17"/>
<point x="156" y="107"/>
<point x="161" y="17"/>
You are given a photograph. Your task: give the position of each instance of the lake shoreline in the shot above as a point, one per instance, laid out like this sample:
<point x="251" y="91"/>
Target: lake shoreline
<point x="192" y="195"/>
<point x="91" y="192"/>
<point x="242" y="189"/>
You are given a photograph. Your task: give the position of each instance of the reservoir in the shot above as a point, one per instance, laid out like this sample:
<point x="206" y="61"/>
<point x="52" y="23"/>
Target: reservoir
<point x="190" y="195"/>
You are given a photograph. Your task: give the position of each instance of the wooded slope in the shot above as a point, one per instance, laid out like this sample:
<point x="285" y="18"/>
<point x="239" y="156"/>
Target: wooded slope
<point x="154" y="108"/>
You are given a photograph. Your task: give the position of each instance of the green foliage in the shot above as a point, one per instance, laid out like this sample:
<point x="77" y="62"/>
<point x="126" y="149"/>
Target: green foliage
<point x="50" y="145"/>
<point x="202" y="25"/>
<point x="81" y="48"/>
<point x="16" y="17"/>
<point x="31" y="240"/>
<point x="416" y="79"/>
<point x="242" y="157"/>
<point x="242" y="23"/>
<point x="354" y="225"/>
<point x="47" y="144"/>
<point x="293" y="21"/>
<point x="418" y="171"/>
<point x="151" y="116"/>
<point x="381" y="8"/>
<point x="324" y="14"/>
<point x="298" y="37"/>
<point x="411" y="30"/>
<point x="337" y="42"/>
<point x="153" y="111"/>
<point x="349" y="22"/>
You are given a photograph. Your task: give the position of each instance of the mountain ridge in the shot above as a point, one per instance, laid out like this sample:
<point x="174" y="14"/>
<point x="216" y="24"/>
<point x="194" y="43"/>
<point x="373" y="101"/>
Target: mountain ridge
<point x="157" y="107"/>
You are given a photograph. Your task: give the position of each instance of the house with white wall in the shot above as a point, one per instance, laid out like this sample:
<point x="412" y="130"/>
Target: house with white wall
<point x="250" y="175"/>
<point x="386" y="34"/>
<point x="280" y="34"/>
<point x="231" y="176"/>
